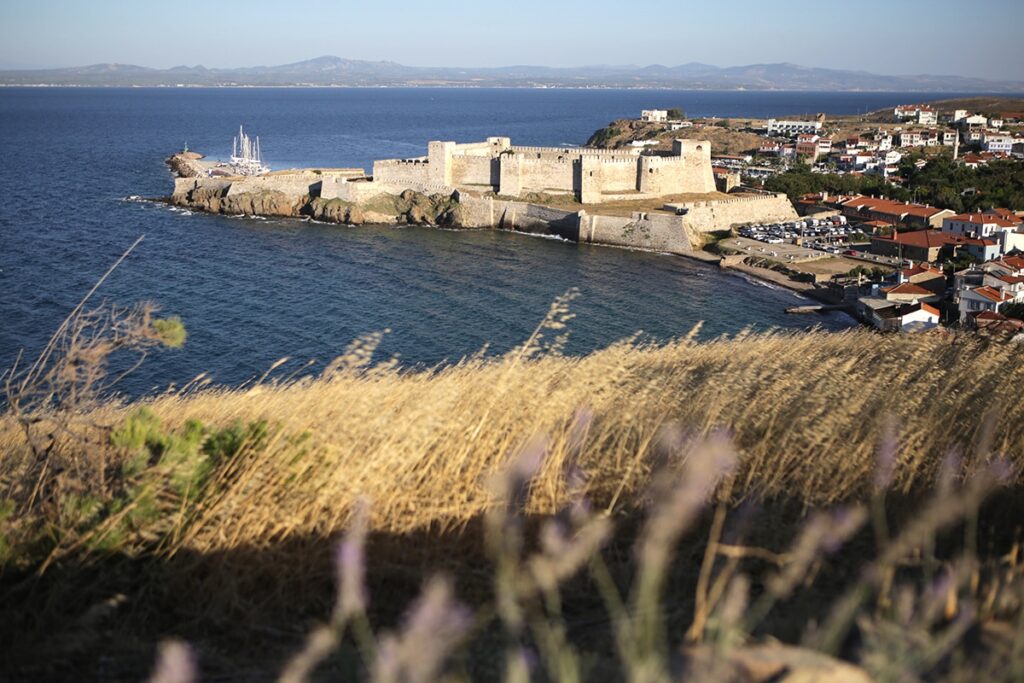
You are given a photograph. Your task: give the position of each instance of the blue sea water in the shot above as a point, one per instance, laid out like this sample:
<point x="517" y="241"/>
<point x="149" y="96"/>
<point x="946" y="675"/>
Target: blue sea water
<point x="253" y="291"/>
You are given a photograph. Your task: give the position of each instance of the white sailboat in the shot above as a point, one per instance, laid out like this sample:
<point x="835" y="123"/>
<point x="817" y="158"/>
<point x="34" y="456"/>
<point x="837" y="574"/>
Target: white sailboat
<point x="246" y="158"/>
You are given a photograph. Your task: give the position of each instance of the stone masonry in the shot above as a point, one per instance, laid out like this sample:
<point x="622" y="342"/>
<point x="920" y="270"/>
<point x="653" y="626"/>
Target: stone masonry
<point x="591" y="175"/>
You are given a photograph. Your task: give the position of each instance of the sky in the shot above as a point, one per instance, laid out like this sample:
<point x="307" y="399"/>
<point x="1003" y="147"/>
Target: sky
<point x="979" y="38"/>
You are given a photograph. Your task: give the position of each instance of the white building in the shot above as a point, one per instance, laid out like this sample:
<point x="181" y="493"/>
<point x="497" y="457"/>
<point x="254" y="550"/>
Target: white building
<point x="776" y="127"/>
<point x="921" y="113"/>
<point x="997" y="142"/>
<point x="978" y="225"/>
<point x="911" y="138"/>
<point x="973" y="121"/>
<point x="654" y="115"/>
<point x="989" y="286"/>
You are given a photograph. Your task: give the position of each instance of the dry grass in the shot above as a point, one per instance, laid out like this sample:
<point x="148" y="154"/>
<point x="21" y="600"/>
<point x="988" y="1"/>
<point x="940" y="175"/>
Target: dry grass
<point x="229" y="496"/>
<point x="805" y="411"/>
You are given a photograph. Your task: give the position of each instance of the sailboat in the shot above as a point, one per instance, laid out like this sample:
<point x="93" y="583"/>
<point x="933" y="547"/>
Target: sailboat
<point x="246" y="158"/>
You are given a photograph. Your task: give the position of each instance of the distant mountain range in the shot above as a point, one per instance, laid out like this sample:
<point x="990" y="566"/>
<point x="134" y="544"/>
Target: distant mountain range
<point x="336" y="71"/>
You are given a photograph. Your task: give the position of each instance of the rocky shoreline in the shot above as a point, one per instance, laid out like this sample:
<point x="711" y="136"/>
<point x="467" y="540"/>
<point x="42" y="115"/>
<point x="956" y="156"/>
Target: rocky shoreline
<point x="406" y="208"/>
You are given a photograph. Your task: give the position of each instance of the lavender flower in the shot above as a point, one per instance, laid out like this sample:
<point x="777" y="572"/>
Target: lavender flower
<point x="432" y="630"/>
<point x="350" y="561"/>
<point x="175" y="663"/>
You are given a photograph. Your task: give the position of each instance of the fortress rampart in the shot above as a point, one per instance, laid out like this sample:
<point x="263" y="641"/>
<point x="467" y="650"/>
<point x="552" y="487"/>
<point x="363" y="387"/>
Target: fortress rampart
<point x="591" y="175"/>
<point x="482" y="184"/>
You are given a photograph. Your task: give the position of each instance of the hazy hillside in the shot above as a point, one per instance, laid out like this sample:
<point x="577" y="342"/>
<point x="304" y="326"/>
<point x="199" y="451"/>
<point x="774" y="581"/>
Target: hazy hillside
<point x="336" y="71"/>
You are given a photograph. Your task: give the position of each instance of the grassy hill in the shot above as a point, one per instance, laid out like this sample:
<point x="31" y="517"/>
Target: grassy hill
<point x="620" y="133"/>
<point x="603" y="510"/>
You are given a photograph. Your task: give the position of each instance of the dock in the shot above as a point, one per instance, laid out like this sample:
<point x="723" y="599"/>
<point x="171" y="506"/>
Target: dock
<point x="818" y="308"/>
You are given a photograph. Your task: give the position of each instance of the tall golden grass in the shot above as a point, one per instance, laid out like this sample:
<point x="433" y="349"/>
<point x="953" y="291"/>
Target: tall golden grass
<point x="201" y="481"/>
<point x="806" y="412"/>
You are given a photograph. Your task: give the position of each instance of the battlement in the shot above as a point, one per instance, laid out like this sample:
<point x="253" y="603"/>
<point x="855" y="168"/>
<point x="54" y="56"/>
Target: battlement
<point x="577" y="151"/>
<point x="401" y="162"/>
<point x="589" y="173"/>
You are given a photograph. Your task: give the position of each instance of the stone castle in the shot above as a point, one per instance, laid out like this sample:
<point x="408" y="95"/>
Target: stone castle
<point x="591" y="175"/>
<point x="496" y="185"/>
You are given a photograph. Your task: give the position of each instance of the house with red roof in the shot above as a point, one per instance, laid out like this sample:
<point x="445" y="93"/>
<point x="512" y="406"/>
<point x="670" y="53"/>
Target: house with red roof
<point x="919" y="245"/>
<point x="925" y="276"/>
<point x="893" y="212"/>
<point x="989" y="286"/>
<point x="893" y="316"/>
<point x="909" y="293"/>
<point x="979" y="299"/>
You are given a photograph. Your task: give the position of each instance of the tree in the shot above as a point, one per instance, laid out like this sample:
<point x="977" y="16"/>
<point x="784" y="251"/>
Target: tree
<point x="1014" y="310"/>
<point x="676" y="114"/>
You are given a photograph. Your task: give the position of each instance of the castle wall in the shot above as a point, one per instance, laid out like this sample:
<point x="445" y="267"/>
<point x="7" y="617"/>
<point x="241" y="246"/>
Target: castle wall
<point x="723" y="214"/>
<point x="650" y="231"/>
<point x="550" y="175"/>
<point x="606" y="176"/>
<point x="696" y="156"/>
<point x="474" y="170"/>
<point x="593" y="175"/>
<point x="664" y="175"/>
<point x="411" y="172"/>
<point x="350" y="191"/>
<point x="573" y="152"/>
<point x="488" y="212"/>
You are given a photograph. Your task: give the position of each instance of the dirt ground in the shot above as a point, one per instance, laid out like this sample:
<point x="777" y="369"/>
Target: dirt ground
<point x="790" y="254"/>
<point x="833" y="265"/>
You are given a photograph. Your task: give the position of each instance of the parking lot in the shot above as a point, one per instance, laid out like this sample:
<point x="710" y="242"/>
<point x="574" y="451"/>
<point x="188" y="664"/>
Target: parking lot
<point x="820" y="239"/>
<point x="782" y="252"/>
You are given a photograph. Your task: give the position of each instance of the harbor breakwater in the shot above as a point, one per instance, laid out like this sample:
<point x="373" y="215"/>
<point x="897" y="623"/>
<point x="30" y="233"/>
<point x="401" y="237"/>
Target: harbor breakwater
<point x="346" y="196"/>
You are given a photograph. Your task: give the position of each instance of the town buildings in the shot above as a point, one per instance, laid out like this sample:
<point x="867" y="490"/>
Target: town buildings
<point x="783" y="127"/>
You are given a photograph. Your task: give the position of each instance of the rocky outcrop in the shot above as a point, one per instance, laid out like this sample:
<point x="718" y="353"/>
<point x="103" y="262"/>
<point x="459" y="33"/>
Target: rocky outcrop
<point x="183" y="164"/>
<point x="409" y="207"/>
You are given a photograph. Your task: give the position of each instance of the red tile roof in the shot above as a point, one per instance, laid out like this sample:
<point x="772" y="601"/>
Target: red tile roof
<point x="890" y="207"/>
<point x="1015" y="262"/>
<point x="908" y="288"/>
<point x="920" y="269"/>
<point x="984" y="219"/>
<point x="931" y="309"/>
<point x="921" y="238"/>
<point x="992" y="294"/>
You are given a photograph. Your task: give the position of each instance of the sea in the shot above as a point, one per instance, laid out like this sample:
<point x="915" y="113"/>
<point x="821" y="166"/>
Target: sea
<point x="77" y="165"/>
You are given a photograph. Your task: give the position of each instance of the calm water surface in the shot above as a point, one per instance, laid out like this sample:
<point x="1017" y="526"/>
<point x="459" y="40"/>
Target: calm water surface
<point x="252" y="291"/>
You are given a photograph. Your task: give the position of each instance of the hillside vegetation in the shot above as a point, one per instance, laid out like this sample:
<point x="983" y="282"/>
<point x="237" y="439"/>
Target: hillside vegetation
<point x="724" y="140"/>
<point x="210" y="512"/>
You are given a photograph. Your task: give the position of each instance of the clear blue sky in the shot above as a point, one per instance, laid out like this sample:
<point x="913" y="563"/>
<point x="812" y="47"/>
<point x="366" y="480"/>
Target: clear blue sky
<point x="979" y="38"/>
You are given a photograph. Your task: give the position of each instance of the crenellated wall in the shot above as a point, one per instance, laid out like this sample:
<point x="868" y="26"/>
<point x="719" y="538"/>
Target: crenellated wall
<point x="722" y="214"/>
<point x="412" y="172"/>
<point x="592" y="175"/>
